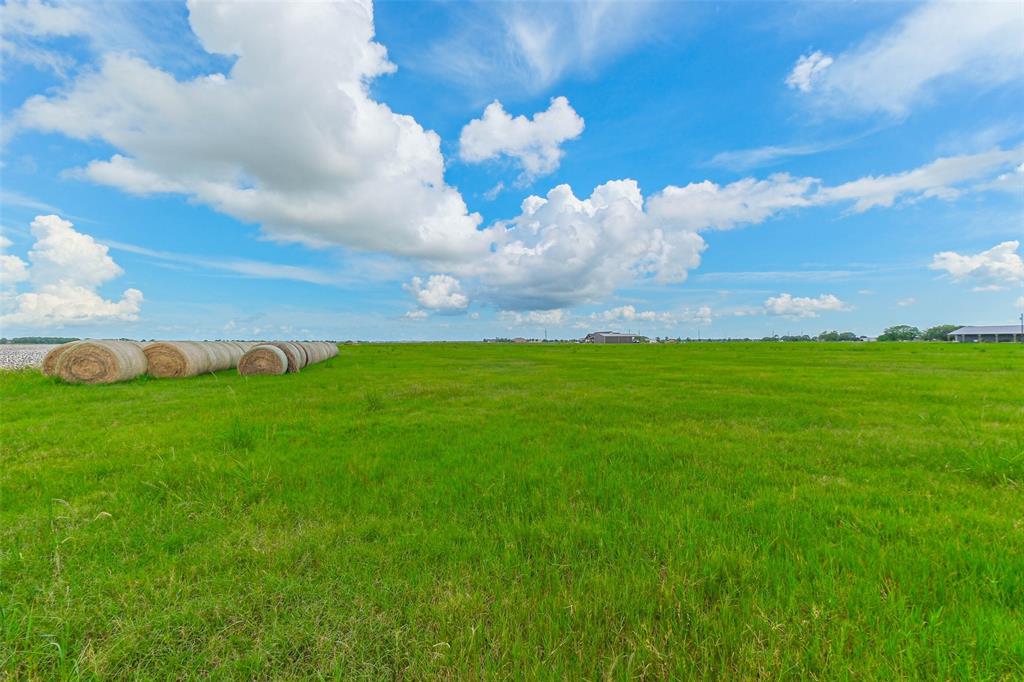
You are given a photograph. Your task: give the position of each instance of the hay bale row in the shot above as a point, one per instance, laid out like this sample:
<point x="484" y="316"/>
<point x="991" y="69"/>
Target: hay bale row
<point x="99" y="362"/>
<point x="176" y="359"/>
<point x="278" y="357"/>
<point x="318" y="351"/>
<point x="96" y="362"/>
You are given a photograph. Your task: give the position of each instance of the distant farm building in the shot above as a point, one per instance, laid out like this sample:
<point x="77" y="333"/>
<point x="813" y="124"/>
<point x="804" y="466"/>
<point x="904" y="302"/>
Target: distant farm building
<point x="1007" y="333"/>
<point x="611" y="337"/>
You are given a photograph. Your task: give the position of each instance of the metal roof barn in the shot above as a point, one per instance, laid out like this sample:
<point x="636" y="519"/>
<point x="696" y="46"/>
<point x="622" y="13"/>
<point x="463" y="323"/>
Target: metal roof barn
<point x="611" y="337"/>
<point x="1000" y="333"/>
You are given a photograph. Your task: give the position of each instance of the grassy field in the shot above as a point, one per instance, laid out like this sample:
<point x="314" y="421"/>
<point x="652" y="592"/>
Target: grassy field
<point x="467" y="511"/>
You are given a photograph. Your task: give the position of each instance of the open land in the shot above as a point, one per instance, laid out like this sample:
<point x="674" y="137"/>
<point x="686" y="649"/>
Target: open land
<point x="556" y="511"/>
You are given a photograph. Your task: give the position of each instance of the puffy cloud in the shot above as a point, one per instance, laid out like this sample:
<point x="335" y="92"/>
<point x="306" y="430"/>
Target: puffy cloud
<point x="536" y="318"/>
<point x="807" y="69"/>
<point x="12" y="268"/>
<point x="937" y="179"/>
<point x="562" y="250"/>
<point x="786" y="305"/>
<point x="67" y="268"/>
<point x="416" y="315"/>
<point x="706" y="205"/>
<point x="439" y="292"/>
<point x="628" y="313"/>
<point x="938" y="43"/>
<point x="290" y="138"/>
<point x="12" y="271"/>
<point x="535" y="143"/>
<point x="996" y="268"/>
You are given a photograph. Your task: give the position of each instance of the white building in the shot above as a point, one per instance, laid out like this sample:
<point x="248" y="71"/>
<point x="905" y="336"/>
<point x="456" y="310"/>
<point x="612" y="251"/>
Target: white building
<point x="1006" y="333"/>
<point x="611" y="337"/>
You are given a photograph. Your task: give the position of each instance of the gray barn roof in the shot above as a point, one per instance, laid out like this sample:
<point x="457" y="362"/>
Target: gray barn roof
<point x="996" y="329"/>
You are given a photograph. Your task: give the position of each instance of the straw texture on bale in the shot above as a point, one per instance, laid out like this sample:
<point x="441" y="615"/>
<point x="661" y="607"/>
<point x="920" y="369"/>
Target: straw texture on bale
<point x="220" y="356"/>
<point x="292" y="352"/>
<point x="263" y="359"/>
<point x="101" y="362"/>
<point x="51" y="359"/>
<point x="176" y="359"/>
<point x="318" y="351"/>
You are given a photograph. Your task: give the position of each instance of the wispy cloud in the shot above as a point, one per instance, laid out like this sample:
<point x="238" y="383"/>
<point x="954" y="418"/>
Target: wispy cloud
<point x="769" y="155"/>
<point x="11" y="198"/>
<point x="527" y="47"/>
<point x="759" y="157"/>
<point x="820" y="275"/>
<point x="935" y="45"/>
<point x="246" y="268"/>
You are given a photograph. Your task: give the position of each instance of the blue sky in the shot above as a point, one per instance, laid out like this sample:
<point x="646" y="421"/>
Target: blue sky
<point x="458" y="170"/>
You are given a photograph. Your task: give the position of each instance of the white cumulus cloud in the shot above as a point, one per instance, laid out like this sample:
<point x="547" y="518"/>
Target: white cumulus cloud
<point x="65" y="272"/>
<point x="628" y="313"/>
<point x="707" y="205"/>
<point x="534" y="143"/>
<point x="997" y="268"/>
<point x="934" y="45"/>
<point x="289" y="138"/>
<point x="807" y="69"/>
<point x="536" y="318"/>
<point x="563" y="250"/>
<point x="438" y="292"/>
<point x="799" y="307"/>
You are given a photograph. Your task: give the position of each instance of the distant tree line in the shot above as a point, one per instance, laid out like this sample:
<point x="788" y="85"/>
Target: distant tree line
<point x="39" y="339"/>
<point x="904" y="332"/>
<point x="900" y="332"/>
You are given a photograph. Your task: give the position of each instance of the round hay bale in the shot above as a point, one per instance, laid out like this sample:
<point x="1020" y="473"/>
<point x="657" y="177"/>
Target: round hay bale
<point x="292" y="352"/>
<point x="235" y="350"/>
<point x="302" y="351"/>
<point x="313" y="354"/>
<point x="263" y="359"/>
<point x="220" y="356"/>
<point x="50" y="361"/>
<point x="176" y="359"/>
<point x="101" y="362"/>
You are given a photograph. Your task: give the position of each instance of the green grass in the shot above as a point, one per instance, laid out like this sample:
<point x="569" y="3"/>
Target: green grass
<point x="715" y="511"/>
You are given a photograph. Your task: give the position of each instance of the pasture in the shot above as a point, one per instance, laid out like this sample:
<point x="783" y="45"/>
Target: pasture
<point x="717" y="511"/>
